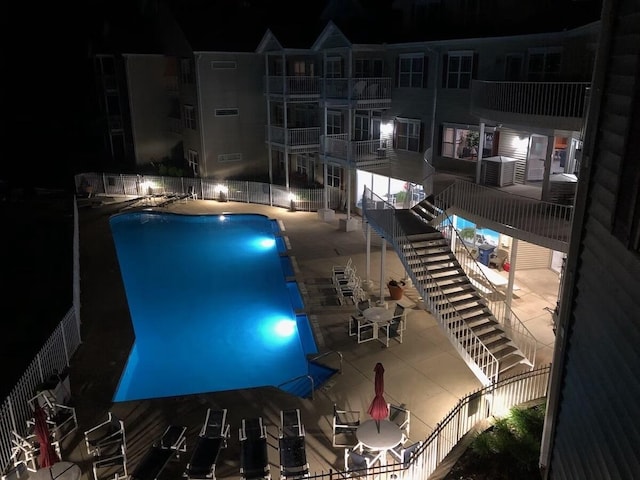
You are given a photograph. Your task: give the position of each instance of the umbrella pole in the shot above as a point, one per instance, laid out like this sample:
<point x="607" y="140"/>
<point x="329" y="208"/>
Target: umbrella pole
<point x="378" y="425"/>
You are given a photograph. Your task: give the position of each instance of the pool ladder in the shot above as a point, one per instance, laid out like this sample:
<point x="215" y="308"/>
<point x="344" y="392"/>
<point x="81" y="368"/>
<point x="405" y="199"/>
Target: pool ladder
<point x="311" y="380"/>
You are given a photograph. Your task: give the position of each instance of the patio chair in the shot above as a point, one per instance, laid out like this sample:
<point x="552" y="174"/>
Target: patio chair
<point x="254" y="460"/>
<point x="401" y="417"/>
<point x="104" y="435"/>
<point x="170" y="444"/>
<point x="25" y="450"/>
<point x="345" y="424"/>
<point x="342" y="269"/>
<point x="358" y="463"/>
<point x="62" y="418"/>
<point x="291" y="423"/>
<point x="361" y="328"/>
<point x="363" y="305"/>
<point x="211" y="440"/>
<point x="395" y="327"/>
<point x="405" y="455"/>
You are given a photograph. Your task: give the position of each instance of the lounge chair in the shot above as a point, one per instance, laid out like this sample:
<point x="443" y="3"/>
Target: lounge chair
<point x="254" y="459"/>
<point x="160" y="453"/>
<point x="291" y="423"/>
<point x="293" y="458"/>
<point x="211" y="440"/>
<point x="345" y="424"/>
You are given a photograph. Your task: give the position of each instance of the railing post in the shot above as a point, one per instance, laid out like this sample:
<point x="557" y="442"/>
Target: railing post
<point x="124" y="190"/>
<point x="40" y="367"/>
<point x="64" y="342"/>
<point x="104" y="183"/>
<point x="12" y="414"/>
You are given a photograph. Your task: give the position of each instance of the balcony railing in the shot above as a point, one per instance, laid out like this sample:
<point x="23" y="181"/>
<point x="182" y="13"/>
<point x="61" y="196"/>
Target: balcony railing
<point x="293" y="136"/>
<point x="357" y="152"/>
<point x="548" y="99"/>
<point x="293" y="85"/>
<point x="358" y="89"/>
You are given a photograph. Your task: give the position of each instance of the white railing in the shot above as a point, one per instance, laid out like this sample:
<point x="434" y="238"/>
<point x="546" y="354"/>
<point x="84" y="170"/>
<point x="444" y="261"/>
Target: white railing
<point x="355" y="151"/>
<point x="474" y="409"/>
<point x="381" y="216"/>
<point x="293" y="136"/>
<point x="293" y="85"/>
<point x="53" y="358"/>
<point x="359" y="89"/>
<point x="306" y="199"/>
<point x="513" y="327"/>
<point x="554" y="99"/>
<point x="549" y="223"/>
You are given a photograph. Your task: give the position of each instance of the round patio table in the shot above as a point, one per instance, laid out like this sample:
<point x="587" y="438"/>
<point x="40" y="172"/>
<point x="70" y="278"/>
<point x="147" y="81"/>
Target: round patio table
<point x="58" y="471"/>
<point x="378" y="314"/>
<point x="389" y="436"/>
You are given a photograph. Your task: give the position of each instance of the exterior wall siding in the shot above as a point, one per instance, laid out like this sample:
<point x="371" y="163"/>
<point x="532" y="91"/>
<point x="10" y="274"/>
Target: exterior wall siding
<point x="595" y="410"/>
<point x="240" y="88"/>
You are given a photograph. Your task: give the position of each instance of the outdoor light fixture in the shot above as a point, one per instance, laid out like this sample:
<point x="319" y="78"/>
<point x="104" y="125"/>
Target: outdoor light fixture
<point x="222" y="192"/>
<point x="292" y="201"/>
<point x="146" y="187"/>
<point x="386" y="128"/>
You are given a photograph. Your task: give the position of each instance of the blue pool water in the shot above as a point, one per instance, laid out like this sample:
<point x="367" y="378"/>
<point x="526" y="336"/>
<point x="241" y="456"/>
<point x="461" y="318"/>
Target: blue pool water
<point x="212" y="304"/>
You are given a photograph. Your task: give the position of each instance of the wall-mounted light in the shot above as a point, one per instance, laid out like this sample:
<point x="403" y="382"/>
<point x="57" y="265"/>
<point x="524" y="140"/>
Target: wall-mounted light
<point x="222" y="192"/>
<point x="386" y="128"/>
<point x="292" y="201"/>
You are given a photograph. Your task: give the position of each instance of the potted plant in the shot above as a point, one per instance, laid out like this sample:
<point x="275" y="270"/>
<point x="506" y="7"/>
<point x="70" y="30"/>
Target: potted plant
<point x="396" y="288"/>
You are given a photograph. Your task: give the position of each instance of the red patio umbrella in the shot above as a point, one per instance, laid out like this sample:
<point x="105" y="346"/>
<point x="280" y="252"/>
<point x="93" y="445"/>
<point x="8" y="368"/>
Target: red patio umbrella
<point x="378" y="408"/>
<point x="48" y="455"/>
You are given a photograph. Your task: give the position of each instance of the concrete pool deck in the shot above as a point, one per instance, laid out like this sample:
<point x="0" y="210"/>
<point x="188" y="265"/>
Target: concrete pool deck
<point x="424" y="373"/>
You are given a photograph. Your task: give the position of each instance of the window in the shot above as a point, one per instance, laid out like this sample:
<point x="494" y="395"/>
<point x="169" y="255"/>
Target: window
<point x="223" y="65"/>
<point x="229" y="157"/>
<point x="462" y="142"/>
<point x="113" y="105"/>
<point x="459" y="69"/>
<point x="544" y="65"/>
<point x="407" y="134"/>
<point x="186" y="72"/>
<point x="227" y="112"/>
<point x="410" y="68"/>
<point x="333" y="175"/>
<point x="513" y="68"/>
<point x="189" y="117"/>
<point x="302" y="68"/>
<point x="361" y="127"/>
<point x="192" y="160"/>
<point x="334" y="123"/>
<point x="334" y="67"/>
<point x="368" y="67"/>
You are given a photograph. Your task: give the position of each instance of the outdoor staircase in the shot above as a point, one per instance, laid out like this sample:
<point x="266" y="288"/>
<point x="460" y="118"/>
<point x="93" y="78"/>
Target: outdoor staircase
<point x="489" y="338"/>
<point x="436" y="267"/>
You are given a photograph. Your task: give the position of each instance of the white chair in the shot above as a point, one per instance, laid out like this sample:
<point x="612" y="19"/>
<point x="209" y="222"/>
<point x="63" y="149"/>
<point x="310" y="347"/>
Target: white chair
<point x="345" y="424"/>
<point x="342" y="269"/>
<point x="358" y="461"/>
<point x="361" y="328"/>
<point x="401" y="417"/>
<point x="395" y="327"/>
<point x="405" y="454"/>
<point x="106" y="443"/>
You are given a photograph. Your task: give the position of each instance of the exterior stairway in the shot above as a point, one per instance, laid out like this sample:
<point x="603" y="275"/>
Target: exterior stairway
<point x="490" y="340"/>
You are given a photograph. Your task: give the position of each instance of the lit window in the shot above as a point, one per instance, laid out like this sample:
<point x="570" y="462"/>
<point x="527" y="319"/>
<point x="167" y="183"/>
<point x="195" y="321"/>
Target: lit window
<point x="192" y="160"/>
<point x="463" y="142"/>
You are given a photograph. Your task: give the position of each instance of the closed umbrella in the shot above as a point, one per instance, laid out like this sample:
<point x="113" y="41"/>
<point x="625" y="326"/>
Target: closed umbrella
<point x="378" y="408"/>
<point x="48" y="455"/>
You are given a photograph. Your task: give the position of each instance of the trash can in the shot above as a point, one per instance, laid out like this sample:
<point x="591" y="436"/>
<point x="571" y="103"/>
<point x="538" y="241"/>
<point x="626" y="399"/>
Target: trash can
<point x="484" y="251"/>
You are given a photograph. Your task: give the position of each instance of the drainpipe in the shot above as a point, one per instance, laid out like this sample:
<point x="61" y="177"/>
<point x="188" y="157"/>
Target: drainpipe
<point x="203" y="162"/>
<point x="383" y="254"/>
<point x="479" y="156"/>
<point x="267" y="91"/>
<point x="512" y="275"/>
<point x="324" y="162"/>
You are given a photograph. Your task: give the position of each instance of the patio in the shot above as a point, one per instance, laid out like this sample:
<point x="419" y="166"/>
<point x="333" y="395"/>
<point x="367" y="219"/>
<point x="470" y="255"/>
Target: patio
<point x="424" y="373"/>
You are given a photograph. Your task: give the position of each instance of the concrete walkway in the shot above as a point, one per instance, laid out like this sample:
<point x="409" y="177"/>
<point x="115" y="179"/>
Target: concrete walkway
<point x="424" y="373"/>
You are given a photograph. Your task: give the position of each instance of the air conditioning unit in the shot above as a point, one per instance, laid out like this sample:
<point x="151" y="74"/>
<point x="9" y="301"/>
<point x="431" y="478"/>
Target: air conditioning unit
<point x="498" y="171"/>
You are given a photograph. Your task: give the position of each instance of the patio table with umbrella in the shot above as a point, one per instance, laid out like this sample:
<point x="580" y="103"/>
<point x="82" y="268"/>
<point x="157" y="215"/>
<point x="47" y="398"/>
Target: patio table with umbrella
<point x="379" y="433"/>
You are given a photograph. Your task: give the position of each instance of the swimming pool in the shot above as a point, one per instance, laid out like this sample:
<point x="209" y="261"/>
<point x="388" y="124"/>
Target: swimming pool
<point x="212" y="303"/>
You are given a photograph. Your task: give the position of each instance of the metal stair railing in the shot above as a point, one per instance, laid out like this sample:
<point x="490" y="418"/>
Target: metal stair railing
<point x="549" y="222"/>
<point x="473" y="350"/>
<point x="326" y="354"/>
<point x="513" y="326"/>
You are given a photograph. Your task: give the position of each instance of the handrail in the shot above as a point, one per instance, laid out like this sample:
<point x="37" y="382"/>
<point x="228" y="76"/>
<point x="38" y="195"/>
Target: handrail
<point x="317" y="357"/>
<point x="525" y="341"/>
<point x="313" y="386"/>
<point x="448" y="316"/>
<point x="549" y="222"/>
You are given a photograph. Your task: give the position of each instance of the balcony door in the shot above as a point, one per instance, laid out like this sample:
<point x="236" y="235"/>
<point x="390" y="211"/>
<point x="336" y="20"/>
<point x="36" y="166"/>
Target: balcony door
<point x="361" y="127"/>
<point x="535" y="160"/>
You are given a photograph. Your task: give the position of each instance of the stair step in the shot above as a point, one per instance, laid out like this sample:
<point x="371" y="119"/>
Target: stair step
<point x="505" y="350"/>
<point x="510" y="361"/>
<point x="487" y="335"/>
<point x="493" y="344"/>
<point x="458" y="289"/>
<point x="425" y="236"/>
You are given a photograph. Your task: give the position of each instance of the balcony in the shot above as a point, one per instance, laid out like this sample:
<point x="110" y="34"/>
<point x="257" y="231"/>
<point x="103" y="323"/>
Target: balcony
<point x="293" y="88"/>
<point x="374" y="92"/>
<point x="296" y="139"/>
<point x="363" y="154"/>
<point x="559" y="105"/>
